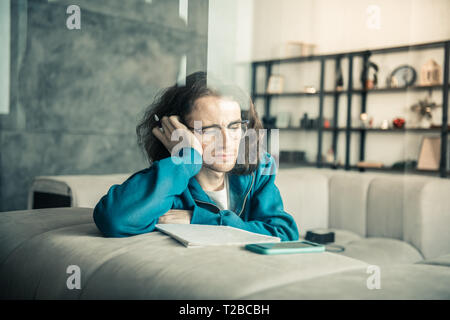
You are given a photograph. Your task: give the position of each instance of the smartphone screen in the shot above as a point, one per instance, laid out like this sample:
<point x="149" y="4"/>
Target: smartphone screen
<point x="286" y="245"/>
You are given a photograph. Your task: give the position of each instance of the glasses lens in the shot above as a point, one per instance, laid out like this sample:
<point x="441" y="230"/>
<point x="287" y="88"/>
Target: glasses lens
<point x="244" y="127"/>
<point x="211" y="131"/>
<point x="235" y="130"/>
<point x="238" y="130"/>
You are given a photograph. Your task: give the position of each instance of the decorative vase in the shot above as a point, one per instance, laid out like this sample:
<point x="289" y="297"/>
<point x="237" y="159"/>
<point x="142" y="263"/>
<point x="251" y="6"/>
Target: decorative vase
<point x="425" y="123"/>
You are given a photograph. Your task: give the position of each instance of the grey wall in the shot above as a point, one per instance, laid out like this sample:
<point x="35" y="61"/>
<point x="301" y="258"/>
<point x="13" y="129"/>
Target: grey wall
<point x="76" y="95"/>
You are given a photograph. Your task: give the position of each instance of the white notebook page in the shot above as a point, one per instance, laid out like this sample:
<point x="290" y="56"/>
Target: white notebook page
<point x="199" y="235"/>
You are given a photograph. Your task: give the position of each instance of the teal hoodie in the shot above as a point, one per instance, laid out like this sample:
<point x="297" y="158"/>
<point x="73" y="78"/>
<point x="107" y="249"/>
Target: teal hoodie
<point x="135" y="206"/>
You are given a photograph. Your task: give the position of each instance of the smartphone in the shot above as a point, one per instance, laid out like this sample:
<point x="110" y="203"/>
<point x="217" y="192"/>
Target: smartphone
<point x="300" y="246"/>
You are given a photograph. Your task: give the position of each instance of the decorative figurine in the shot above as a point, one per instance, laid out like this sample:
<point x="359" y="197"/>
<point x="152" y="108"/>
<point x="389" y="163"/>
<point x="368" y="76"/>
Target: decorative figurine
<point x="402" y="76"/>
<point x="369" y="78"/>
<point x="365" y="122"/>
<point x="308" y="49"/>
<point x="430" y="73"/>
<point x="424" y="108"/>
<point x="398" y="123"/>
<point x="330" y="156"/>
<point x="298" y="48"/>
<point x="385" y="124"/>
<point x="269" y="122"/>
<point x="310" y="89"/>
<point x="430" y="153"/>
<point x="339" y="80"/>
<point x="304" y="121"/>
<point x="293" y="49"/>
<point x="364" y="117"/>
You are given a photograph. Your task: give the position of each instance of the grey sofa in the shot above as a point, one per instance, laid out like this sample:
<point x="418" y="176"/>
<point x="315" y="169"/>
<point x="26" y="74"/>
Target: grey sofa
<point x="397" y="224"/>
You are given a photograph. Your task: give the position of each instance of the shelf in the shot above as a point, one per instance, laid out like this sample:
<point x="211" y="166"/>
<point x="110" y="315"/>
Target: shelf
<point x="291" y="94"/>
<point x="420" y="46"/>
<point x="402" y="89"/>
<point x="357" y="91"/>
<point x="401" y="171"/>
<point x="356" y="168"/>
<point x="394" y="130"/>
<point x="287" y="165"/>
<point x="354" y="89"/>
<point x="296" y="129"/>
<point x="364" y="129"/>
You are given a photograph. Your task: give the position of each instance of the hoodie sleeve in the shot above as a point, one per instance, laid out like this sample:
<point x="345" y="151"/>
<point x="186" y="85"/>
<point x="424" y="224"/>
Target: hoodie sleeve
<point x="267" y="215"/>
<point x="135" y="206"/>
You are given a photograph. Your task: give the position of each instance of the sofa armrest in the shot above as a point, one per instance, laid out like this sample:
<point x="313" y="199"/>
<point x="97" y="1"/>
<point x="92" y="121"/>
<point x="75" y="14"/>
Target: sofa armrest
<point x="427" y="217"/>
<point x="83" y="190"/>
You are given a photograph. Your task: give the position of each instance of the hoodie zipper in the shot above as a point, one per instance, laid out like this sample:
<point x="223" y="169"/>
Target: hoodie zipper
<point x="212" y="204"/>
<point x="245" y="199"/>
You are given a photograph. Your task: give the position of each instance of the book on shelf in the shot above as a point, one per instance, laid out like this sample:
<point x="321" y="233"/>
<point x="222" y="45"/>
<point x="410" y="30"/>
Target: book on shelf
<point x="367" y="164"/>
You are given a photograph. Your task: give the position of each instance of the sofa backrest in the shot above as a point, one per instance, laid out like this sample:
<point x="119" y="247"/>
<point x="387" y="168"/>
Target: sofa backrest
<point x="412" y="208"/>
<point x="407" y="207"/>
<point x="305" y="196"/>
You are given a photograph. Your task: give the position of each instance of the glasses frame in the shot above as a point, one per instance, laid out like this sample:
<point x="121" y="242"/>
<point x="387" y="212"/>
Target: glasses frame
<point x="246" y="122"/>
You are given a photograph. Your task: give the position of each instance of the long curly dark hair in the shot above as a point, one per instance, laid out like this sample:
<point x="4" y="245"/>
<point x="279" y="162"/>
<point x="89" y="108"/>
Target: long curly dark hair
<point x="180" y="99"/>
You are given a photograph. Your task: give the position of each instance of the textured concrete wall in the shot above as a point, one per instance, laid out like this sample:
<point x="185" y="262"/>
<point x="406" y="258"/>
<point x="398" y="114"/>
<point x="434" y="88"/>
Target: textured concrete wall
<point x="76" y="95"/>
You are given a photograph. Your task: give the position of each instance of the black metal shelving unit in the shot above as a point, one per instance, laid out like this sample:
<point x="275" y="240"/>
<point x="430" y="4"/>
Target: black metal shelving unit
<point x="350" y="91"/>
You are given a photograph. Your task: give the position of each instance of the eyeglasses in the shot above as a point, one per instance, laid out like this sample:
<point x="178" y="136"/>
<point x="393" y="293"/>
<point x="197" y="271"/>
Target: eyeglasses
<point x="236" y="130"/>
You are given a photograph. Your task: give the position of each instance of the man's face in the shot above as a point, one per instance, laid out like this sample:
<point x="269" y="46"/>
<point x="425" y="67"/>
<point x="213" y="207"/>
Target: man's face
<point x="219" y="119"/>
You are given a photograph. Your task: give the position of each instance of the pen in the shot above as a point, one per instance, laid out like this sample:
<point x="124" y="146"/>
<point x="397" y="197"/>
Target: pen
<point x="159" y="123"/>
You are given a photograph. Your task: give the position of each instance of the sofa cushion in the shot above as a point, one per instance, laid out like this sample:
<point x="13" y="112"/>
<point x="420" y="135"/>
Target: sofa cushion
<point x="149" y="266"/>
<point x="377" y="251"/>
<point x="396" y="282"/>
<point x="18" y="227"/>
<point x="37" y="247"/>
<point x="427" y="215"/>
<point x="407" y="207"/>
<point x="305" y="197"/>
<point x="344" y="237"/>
<point x="382" y="251"/>
<point x="443" y="260"/>
<point x="348" y="201"/>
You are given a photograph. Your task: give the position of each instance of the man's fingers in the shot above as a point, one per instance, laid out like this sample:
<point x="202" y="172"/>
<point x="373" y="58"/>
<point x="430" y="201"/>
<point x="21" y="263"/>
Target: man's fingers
<point x="161" y="136"/>
<point x="175" y="121"/>
<point x="165" y="121"/>
<point x="193" y="138"/>
<point x="167" y="130"/>
<point x="157" y="133"/>
<point x="179" y="216"/>
<point x="178" y="220"/>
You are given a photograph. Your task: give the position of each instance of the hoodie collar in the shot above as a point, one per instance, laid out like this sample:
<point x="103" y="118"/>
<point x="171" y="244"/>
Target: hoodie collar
<point x="239" y="187"/>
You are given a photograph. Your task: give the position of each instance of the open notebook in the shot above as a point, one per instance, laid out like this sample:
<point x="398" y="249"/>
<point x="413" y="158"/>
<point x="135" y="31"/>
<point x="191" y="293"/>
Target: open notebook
<point x="199" y="235"/>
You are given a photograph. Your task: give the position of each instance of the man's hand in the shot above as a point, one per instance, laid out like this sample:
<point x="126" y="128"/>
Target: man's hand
<point x="169" y="125"/>
<point x="176" y="216"/>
